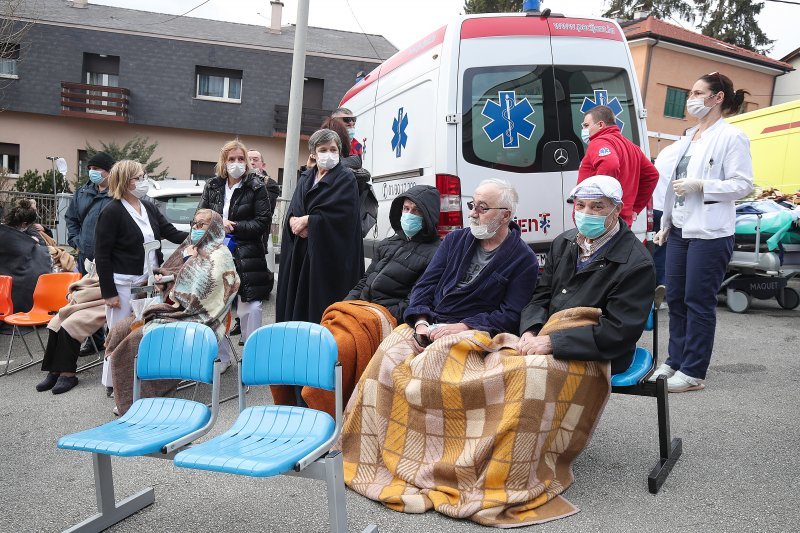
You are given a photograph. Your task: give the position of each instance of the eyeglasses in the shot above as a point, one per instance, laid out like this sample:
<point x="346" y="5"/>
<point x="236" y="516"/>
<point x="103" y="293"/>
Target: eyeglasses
<point x="199" y="224"/>
<point x="481" y="209"/>
<point x="349" y="120"/>
<point x="138" y="178"/>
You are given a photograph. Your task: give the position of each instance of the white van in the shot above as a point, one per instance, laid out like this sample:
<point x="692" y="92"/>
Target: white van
<point x="498" y="95"/>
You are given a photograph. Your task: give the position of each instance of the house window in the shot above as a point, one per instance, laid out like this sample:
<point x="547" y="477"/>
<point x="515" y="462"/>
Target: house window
<point x="222" y="85"/>
<point x="675" y="105"/>
<point x="313" y="89"/>
<point x="83" y="158"/>
<point x="9" y="158"/>
<point x="203" y="170"/>
<point x="9" y="56"/>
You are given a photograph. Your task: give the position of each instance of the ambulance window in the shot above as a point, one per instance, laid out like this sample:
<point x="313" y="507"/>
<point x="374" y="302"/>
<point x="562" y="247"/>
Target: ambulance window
<point x="590" y="85"/>
<point x="503" y="117"/>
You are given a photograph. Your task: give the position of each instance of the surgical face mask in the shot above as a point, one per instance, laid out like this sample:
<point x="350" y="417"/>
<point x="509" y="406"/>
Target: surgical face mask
<point x="590" y="226"/>
<point x="585" y="135"/>
<point x="411" y="224"/>
<point x="697" y="107"/>
<point x="141" y="189"/>
<point x="484" y="231"/>
<point x="235" y="170"/>
<point x="351" y="132"/>
<point x="96" y="177"/>
<point x="327" y="160"/>
<point x="197" y="234"/>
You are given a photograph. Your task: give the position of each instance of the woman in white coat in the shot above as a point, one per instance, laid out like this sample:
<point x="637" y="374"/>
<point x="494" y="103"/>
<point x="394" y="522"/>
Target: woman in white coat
<point x="713" y="169"/>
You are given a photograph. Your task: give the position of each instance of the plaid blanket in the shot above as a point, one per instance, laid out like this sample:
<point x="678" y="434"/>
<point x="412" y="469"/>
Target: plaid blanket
<point x="472" y="429"/>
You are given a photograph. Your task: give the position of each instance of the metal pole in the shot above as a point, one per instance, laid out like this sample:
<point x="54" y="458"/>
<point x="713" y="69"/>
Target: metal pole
<point x="295" y="101"/>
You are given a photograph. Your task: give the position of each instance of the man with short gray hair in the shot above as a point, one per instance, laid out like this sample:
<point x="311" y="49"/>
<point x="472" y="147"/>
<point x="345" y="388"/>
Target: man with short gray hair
<point x="600" y="264"/>
<point x="481" y="276"/>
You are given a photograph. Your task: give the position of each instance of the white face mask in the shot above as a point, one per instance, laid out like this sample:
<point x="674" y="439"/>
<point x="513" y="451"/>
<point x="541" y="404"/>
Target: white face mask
<point x="697" y="107"/>
<point x="484" y="231"/>
<point x="585" y="135"/>
<point x="327" y="160"/>
<point x="235" y="170"/>
<point x="142" y="187"/>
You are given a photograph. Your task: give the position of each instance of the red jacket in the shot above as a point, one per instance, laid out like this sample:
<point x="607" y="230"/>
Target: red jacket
<point x="611" y="154"/>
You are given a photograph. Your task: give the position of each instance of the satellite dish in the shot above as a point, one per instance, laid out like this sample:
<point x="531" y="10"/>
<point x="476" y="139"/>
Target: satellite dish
<point x="61" y="165"/>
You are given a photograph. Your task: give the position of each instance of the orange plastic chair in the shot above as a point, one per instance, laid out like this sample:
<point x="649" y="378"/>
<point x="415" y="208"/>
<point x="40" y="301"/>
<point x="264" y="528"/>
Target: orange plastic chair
<point x="6" y="304"/>
<point x="49" y="296"/>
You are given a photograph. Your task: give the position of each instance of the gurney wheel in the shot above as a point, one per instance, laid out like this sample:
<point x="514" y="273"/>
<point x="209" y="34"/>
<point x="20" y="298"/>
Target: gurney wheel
<point x="738" y="301"/>
<point x="788" y="298"/>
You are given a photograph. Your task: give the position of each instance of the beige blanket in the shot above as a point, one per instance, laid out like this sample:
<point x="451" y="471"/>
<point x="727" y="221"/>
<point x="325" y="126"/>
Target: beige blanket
<point x="86" y="312"/>
<point x="472" y="429"/>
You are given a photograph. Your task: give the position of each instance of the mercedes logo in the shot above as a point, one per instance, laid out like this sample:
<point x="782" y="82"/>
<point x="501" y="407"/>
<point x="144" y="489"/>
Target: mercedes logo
<point x="561" y="156"/>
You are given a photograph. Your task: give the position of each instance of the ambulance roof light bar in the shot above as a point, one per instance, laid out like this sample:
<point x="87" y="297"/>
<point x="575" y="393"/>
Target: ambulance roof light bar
<point x="532" y="8"/>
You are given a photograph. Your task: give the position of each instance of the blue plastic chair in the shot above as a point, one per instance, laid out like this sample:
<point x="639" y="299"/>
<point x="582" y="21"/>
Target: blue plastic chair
<point x="634" y="382"/>
<point x="156" y="427"/>
<point x="271" y="440"/>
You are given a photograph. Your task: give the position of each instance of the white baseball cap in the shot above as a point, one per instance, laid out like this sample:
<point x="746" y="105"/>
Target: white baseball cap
<point x="598" y="187"/>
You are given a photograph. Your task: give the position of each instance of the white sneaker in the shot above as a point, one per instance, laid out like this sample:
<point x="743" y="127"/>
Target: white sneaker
<point x="663" y="370"/>
<point x="680" y="382"/>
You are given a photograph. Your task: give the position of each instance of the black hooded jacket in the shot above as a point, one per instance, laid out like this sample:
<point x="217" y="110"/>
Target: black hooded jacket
<point x="400" y="261"/>
<point x="251" y="211"/>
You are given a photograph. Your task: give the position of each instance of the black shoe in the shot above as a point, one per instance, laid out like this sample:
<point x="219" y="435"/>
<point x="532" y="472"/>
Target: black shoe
<point x="241" y="342"/>
<point x="110" y="392"/>
<point x="49" y="382"/>
<point x="236" y="329"/>
<point x="88" y="348"/>
<point x="65" y="384"/>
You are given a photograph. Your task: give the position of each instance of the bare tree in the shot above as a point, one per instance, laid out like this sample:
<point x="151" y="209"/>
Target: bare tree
<point x="16" y="19"/>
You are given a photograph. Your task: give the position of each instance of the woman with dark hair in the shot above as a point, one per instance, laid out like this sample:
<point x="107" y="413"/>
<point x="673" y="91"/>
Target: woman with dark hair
<point x="712" y="170"/>
<point x="22" y="256"/>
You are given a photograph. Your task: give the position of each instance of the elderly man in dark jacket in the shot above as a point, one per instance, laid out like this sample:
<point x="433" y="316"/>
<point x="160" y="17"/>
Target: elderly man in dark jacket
<point x="402" y="258"/>
<point x="481" y="277"/>
<point x="600" y="264"/>
<point x="88" y="201"/>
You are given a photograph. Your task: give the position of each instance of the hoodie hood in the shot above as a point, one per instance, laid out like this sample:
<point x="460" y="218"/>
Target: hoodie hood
<point x="427" y="200"/>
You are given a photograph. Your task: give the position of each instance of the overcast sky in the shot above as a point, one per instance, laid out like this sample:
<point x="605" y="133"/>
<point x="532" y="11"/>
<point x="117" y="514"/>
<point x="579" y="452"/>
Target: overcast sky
<point x="405" y="21"/>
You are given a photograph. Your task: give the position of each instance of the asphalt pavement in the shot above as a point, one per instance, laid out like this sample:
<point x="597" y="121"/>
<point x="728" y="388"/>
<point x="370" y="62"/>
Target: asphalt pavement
<point x="737" y="472"/>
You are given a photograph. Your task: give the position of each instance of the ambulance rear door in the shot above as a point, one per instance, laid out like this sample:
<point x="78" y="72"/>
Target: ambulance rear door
<point x="507" y="120"/>
<point x="591" y="66"/>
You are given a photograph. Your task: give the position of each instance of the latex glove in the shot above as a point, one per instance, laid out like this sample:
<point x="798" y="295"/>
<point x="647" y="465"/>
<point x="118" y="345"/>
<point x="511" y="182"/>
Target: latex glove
<point x="687" y="185"/>
<point x="660" y="238"/>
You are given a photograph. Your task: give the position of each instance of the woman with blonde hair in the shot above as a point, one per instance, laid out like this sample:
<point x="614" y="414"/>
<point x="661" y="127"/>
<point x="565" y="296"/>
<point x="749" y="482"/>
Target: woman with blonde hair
<point x="123" y="227"/>
<point x="240" y="196"/>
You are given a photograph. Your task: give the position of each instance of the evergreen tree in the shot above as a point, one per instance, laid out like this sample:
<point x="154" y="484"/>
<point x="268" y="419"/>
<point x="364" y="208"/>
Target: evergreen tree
<point x="734" y="21"/>
<point x="661" y="9"/>
<point x="492" y="6"/>
<point x="136" y="149"/>
<point x="34" y="182"/>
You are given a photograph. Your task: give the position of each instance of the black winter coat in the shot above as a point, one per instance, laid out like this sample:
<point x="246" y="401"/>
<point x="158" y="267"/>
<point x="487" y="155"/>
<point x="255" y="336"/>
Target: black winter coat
<point x="621" y="281"/>
<point x="319" y="270"/>
<point x="400" y="261"/>
<point x="250" y="210"/>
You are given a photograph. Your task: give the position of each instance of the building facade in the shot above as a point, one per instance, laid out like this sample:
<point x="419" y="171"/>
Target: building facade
<point x="669" y="59"/>
<point x="87" y="73"/>
<point x="787" y="87"/>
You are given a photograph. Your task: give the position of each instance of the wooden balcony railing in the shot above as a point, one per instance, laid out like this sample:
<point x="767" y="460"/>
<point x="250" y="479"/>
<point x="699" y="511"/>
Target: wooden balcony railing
<point x="94" y="101"/>
<point x="309" y="123"/>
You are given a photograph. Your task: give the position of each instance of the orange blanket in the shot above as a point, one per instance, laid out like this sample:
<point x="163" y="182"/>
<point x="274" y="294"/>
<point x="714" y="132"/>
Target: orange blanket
<point x="359" y="327"/>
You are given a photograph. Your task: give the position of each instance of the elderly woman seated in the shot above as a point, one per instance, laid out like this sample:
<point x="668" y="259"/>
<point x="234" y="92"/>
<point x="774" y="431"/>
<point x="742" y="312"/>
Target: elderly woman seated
<point x="376" y="304"/>
<point x="205" y="284"/>
<point x="22" y="255"/>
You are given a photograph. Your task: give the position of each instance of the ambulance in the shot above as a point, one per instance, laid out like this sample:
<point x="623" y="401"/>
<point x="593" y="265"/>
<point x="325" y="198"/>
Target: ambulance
<point x="495" y="95"/>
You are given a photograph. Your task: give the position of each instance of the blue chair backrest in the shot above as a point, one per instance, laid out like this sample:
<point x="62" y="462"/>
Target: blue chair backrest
<point x="181" y="350"/>
<point x="290" y="353"/>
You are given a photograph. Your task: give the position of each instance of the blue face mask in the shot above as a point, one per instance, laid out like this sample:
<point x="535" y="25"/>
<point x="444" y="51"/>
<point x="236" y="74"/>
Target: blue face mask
<point x="351" y="132"/>
<point x="590" y="226"/>
<point x="411" y="224"/>
<point x="197" y="234"/>
<point x="96" y="177"/>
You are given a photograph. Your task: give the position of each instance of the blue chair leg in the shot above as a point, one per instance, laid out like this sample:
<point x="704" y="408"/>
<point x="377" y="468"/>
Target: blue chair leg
<point x="110" y="512"/>
<point x="669" y="449"/>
